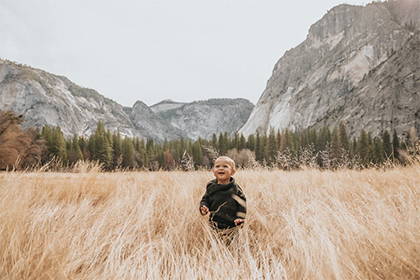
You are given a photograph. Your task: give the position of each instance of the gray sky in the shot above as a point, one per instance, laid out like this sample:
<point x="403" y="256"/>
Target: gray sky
<point x="153" y="50"/>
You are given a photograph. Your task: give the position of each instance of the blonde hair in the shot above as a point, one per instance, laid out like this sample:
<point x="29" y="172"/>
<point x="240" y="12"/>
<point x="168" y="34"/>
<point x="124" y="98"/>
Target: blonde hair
<point x="230" y="161"/>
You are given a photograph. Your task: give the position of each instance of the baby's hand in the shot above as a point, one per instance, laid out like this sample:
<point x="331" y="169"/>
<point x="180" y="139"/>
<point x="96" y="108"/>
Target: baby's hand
<point x="239" y="221"/>
<point x="204" y="210"/>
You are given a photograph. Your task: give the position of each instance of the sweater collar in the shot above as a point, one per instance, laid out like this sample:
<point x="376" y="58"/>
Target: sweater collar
<point x="218" y="187"/>
<point x="231" y="181"/>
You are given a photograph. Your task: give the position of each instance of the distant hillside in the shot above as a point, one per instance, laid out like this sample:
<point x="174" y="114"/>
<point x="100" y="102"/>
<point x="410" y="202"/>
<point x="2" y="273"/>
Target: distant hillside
<point x="47" y="99"/>
<point x="203" y="118"/>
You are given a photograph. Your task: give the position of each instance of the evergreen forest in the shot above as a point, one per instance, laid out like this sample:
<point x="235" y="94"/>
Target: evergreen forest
<point x="327" y="148"/>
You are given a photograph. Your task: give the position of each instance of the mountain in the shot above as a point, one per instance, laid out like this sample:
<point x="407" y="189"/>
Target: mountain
<point x="150" y="125"/>
<point x="358" y="65"/>
<point x="396" y="102"/>
<point x="203" y="118"/>
<point x="166" y="105"/>
<point x="47" y="99"/>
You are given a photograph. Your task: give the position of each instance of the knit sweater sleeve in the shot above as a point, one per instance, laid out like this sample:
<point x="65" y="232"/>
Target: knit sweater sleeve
<point x="241" y="203"/>
<point x="205" y="199"/>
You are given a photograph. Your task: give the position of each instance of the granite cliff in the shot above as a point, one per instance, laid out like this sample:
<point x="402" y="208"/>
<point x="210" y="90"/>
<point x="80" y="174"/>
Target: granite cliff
<point x="358" y="65"/>
<point x="47" y="99"/>
<point x="203" y="118"/>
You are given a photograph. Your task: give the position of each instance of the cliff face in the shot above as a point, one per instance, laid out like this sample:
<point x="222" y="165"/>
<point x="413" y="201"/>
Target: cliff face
<point x="47" y="99"/>
<point x="203" y="118"/>
<point x="318" y="82"/>
<point x="152" y="125"/>
<point x="396" y="102"/>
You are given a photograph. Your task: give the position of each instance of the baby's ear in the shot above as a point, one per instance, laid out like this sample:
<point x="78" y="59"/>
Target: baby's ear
<point x="233" y="172"/>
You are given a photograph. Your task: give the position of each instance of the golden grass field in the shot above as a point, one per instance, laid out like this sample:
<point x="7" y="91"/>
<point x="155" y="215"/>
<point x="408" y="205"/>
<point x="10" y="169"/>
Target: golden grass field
<point x="300" y="225"/>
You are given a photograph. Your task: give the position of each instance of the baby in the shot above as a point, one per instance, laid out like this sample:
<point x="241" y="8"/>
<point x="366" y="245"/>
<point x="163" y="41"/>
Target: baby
<point x="224" y="199"/>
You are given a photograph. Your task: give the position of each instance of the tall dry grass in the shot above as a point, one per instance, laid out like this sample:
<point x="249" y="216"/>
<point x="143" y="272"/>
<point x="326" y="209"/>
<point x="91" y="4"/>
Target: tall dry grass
<point x="300" y="225"/>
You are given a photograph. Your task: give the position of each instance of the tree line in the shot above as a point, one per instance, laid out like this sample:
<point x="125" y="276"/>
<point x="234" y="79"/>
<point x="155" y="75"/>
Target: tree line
<point x="286" y="149"/>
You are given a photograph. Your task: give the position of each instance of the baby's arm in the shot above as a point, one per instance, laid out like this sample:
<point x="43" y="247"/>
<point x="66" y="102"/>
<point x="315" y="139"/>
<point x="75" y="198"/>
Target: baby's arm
<point x="241" y="199"/>
<point x="204" y="209"/>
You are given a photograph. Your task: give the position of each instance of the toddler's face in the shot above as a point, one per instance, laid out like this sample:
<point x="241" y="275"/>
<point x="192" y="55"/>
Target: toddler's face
<point x="223" y="171"/>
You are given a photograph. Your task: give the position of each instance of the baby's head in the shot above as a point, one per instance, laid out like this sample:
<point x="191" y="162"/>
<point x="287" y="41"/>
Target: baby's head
<point x="223" y="169"/>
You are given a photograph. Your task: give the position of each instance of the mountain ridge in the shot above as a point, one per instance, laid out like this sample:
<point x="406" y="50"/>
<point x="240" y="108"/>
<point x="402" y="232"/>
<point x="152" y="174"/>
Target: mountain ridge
<point x="48" y="99"/>
<point x="202" y="118"/>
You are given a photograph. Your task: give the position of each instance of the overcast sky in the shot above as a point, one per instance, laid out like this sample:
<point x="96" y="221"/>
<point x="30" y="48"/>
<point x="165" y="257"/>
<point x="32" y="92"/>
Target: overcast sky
<point x="162" y="49"/>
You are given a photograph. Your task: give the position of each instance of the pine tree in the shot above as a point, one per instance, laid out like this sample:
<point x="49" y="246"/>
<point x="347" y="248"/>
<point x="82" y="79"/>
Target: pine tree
<point x="354" y="147"/>
<point x="160" y="157"/>
<point x="250" y="144"/>
<point x="387" y="146"/>
<point x="165" y="145"/>
<point x="58" y="144"/>
<point x="143" y="160"/>
<point x="363" y="147"/>
<point x="83" y="144"/>
<point x="313" y="139"/>
<point x="91" y="144"/>
<point x="324" y="137"/>
<point x="117" y="147"/>
<point x="378" y="151"/>
<point x="223" y="144"/>
<point x="335" y="145"/>
<point x="108" y="135"/>
<point x="46" y="133"/>
<point x="344" y="139"/>
<point x="304" y="138"/>
<point x="226" y="145"/>
<point x="102" y="149"/>
<point x="278" y="138"/>
<point x="264" y="147"/>
<point x="371" y="152"/>
<point x="142" y="146"/>
<point x="235" y="141"/>
<point x="150" y="146"/>
<point x="258" y="148"/>
<point x="75" y="153"/>
<point x="287" y="141"/>
<point x="136" y="144"/>
<point x="242" y="142"/>
<point x="296" y="142"/>
<point x="220" y="144"/>
<point x="272" y="147"/>
<point x="197" y="153"/>
<point x="395" y="145"/>
<point x="370" y="138"/>
<point x="214" y="140"/>
<point x="127" y="149"/>
<point x="68" y="144"/>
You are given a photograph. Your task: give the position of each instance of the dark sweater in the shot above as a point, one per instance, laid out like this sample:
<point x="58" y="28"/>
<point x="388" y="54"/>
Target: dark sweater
<point x="222" y="201"/>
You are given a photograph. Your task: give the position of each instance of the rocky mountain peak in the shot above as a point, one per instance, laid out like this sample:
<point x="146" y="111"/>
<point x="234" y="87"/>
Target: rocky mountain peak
<point x="47" y="99"/>
<point x="318" y="78"/>
<point x="203" y="118"/>
<point x="166" y="105"/>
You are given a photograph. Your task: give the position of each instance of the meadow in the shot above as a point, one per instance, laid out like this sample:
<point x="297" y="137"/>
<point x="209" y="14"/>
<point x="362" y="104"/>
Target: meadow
<point x="146" y="225"/>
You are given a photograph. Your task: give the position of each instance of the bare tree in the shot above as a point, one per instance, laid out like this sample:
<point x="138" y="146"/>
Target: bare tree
<point x="18" y="148"/>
